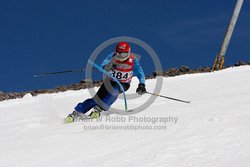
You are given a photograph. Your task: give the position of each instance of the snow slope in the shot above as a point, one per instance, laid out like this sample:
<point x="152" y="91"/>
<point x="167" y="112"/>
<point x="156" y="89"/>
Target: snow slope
<point x="214" y="130"/>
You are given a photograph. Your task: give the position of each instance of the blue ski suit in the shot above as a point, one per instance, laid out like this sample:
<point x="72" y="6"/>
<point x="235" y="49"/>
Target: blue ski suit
<point x="109" y="90"/>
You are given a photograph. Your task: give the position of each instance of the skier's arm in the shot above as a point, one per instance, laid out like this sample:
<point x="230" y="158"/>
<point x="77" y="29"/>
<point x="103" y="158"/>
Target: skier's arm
<point x="138" y="71"/>
<point x="107" y="64"/>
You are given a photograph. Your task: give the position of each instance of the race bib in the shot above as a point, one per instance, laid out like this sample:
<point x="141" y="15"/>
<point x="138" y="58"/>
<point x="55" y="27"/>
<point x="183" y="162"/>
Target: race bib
<point x="122" y="76"/>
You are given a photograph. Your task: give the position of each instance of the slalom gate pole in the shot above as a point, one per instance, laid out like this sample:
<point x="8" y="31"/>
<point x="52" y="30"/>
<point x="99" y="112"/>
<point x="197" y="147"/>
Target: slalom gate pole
<point x="115" y="79"/>
<point x="59" y="72"/>
<point x="168" y="97"/>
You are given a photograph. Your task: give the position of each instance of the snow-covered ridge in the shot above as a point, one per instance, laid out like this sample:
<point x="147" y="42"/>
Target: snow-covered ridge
<point x="84" y="85"/>
<point x="213" y="130"/>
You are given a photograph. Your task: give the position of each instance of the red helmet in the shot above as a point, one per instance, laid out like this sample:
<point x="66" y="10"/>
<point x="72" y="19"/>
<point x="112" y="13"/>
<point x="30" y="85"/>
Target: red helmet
<point x="122" y="47"/>
<point x="122" y="51"/>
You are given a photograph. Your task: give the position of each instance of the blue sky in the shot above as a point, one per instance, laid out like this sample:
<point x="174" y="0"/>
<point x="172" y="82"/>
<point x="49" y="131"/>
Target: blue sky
<point x="53" y="35"/>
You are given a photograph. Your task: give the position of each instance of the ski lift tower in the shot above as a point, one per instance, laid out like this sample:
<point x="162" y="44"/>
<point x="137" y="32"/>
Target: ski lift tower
<point x="219" y="61"/>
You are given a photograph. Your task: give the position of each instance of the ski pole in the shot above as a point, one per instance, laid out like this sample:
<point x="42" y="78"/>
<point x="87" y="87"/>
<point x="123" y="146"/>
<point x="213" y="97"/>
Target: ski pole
<point x="60" y="72"/>
<point x="168" y="97"/>
<point x="114" y="78"/>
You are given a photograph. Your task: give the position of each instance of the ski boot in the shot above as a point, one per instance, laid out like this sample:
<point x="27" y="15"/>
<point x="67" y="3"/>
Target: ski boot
<point x="73" y="117"/>
<point x="96" y="113"/>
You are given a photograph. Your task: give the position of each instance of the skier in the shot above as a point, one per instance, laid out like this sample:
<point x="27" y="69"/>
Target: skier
<point x="122" y="65"/>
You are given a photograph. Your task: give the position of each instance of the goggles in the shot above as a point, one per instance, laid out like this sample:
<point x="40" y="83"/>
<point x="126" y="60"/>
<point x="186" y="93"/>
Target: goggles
<point x="122" y="55"/>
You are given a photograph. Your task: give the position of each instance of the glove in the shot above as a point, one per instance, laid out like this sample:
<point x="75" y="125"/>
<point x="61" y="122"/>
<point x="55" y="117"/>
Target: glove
<point x="141" y="89"/>
<point x="109" y="66"/>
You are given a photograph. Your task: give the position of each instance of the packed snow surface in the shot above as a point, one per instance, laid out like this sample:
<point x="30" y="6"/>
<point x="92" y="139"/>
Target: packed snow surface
<point x="213" y="130"/>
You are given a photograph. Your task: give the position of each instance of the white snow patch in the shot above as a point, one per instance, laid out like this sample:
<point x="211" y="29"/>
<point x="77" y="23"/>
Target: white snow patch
<point x="213" y="130"/>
